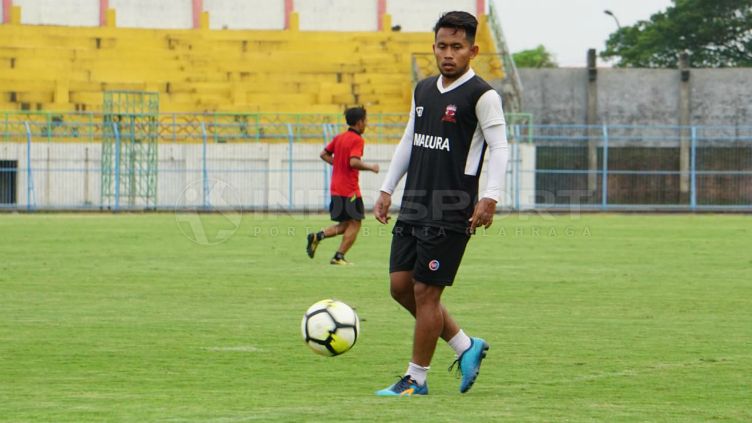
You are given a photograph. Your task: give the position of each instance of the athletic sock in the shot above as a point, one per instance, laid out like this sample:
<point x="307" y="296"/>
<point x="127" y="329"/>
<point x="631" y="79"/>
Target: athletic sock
<point x="460" y="342"/>
<point x="339" y="256"/>
<point x="320" y="235"/>
<point x="419" y="373"/>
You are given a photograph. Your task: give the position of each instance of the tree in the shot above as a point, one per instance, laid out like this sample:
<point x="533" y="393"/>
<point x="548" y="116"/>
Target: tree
<point x="537" y="57"/>
<point x="715" y="33"/>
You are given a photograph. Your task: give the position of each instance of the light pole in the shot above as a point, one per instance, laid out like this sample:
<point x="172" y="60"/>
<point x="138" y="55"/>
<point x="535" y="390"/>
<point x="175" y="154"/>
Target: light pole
<point x="610" y="13"/>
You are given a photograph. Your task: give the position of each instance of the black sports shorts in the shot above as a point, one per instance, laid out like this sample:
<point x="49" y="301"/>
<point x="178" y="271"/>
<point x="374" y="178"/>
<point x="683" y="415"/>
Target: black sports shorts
<point x="346" y="208"/>
<point x="433" y="254"/>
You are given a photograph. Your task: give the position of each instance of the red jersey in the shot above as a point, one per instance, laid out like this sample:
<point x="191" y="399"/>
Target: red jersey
<point x="345" y="178"/>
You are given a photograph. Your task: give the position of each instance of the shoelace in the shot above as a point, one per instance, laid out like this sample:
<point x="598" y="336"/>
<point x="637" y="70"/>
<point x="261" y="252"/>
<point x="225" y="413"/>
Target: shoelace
<point x="456" y="362"/>
<point x="458" y="371"/>
<point x="403" y="384"/>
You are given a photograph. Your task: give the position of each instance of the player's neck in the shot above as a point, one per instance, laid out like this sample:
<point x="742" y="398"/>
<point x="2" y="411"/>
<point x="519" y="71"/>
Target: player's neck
<point x="445" y="82"/>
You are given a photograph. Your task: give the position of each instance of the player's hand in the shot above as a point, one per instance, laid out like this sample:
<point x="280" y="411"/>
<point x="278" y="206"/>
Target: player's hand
<point x="375" y="168"/>
<point x="381" y="208"/>
<point x="483" y="214"/>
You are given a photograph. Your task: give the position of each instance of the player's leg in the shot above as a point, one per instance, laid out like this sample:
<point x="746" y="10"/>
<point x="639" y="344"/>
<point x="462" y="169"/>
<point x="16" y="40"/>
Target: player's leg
<point x="334" y="230"/>
<point x="423" y="302"/>
<point x="348" y="238"/>
<point x="401" y="263"/>
<point x="353" y="214"/>
<point x="424" y="343"/>
<point x="438" y="259"/>
<point x="429" y="322"/>
<point x="313" y="240"/>
<point x="349" y="235"/>
<point x="401" y="287"/>
<point x="338" y="214"/>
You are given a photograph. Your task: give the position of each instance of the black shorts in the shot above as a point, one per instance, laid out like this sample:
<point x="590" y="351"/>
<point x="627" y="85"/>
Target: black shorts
<point x="432" y="254"/>
<point x="346" y="208"/>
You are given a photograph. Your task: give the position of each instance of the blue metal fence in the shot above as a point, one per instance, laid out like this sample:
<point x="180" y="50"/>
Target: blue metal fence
<point x="274" y="165"/>
<point x="647" y="167"/>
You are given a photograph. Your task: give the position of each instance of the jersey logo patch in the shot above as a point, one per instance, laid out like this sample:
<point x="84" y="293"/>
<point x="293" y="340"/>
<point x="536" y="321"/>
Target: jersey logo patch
<point x="434" y="265"/>
<point x="449" y="113"/>
<point x="419" y="111"/>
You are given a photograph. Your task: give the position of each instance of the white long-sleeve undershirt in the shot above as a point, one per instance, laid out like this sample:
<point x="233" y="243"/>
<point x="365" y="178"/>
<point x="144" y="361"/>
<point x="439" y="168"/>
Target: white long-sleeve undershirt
<point x="498" y="156"/>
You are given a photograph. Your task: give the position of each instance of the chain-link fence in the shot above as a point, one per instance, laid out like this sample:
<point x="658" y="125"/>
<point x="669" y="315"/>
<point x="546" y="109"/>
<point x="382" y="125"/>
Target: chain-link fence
<point x="271" y="162"/>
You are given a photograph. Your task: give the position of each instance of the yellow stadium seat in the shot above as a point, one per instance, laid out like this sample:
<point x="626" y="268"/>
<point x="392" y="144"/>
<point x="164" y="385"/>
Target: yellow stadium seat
<point x="69" y="68"/>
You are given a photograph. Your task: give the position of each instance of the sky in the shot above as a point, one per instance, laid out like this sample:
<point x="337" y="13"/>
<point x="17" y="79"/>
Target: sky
<point x="568" y="28"/>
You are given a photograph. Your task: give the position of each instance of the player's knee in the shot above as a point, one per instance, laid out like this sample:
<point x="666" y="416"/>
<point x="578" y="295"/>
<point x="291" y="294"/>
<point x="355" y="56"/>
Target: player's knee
<point x="426" y="294"/>
<point x="397" y="292"/>
<point x="401" y="294"/>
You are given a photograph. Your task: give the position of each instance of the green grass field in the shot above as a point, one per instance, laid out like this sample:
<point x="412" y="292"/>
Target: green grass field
<point x="603" y="318"/>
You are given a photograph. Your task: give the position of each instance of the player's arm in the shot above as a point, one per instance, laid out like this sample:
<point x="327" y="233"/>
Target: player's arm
<point x="493" y="125"/>
<point x="327" y="156"/>
<point x="397" y="169"/>
<point x="357" y="163"/>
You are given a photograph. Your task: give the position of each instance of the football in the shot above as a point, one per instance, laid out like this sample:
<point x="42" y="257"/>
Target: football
<point x="330" y="327"/>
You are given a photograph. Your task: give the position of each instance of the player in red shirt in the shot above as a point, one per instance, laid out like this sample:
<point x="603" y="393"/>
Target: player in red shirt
<point x="344" y="153"/>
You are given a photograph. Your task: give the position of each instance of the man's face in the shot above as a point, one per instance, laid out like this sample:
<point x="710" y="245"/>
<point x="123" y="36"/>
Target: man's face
<point x="361" y="125"/>
<point x="453" y="52"/>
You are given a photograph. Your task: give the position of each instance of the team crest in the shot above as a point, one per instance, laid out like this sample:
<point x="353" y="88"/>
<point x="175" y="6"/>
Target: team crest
<point x="419" y="111"/>
<point x="450" y="113"/>
<point x="434" y="265"/>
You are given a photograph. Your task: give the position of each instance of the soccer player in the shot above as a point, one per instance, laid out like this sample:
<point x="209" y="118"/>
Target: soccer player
<point x="344" y="153"/>
<point x="453" y="118"/>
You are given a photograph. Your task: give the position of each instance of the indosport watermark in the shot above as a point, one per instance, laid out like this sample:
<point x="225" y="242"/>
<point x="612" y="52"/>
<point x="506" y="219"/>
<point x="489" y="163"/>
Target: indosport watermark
<point x="563" y="223"/>
<point x="503" y="227"/>
<point x="209" y="212"/>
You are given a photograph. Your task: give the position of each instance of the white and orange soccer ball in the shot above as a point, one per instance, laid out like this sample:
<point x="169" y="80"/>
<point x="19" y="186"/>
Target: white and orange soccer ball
<point x="330" y="327"/>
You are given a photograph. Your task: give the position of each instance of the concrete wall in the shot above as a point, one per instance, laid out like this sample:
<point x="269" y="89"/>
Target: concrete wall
<point x="59" y="12"/>
<point x="420" y="16"/>
<point x="166" y="14"/>
<point x="555" y="95"/>
<point x="638" y="96"/>
<point x="337" y="15"/>
<point x="315" y="15"/>
<point x="252" y="176"/>
<point x="721" y="95"/>
<point x="245" y="14"/>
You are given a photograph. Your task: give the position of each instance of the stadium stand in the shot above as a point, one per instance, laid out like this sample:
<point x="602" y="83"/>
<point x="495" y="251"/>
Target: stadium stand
<point x="56" y="68"/>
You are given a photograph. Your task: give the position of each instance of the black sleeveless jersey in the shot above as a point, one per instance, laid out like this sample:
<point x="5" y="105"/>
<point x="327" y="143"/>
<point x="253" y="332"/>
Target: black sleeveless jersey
<point x="441" y="188"/>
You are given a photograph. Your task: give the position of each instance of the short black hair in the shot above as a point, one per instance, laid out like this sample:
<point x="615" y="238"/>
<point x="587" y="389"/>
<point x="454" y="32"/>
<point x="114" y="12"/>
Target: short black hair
<point x="458" y="20"/>
<point x="354" y="114"/>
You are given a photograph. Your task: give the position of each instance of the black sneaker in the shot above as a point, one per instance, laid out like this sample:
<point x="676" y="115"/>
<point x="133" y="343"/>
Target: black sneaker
<point x="313" y="242"/>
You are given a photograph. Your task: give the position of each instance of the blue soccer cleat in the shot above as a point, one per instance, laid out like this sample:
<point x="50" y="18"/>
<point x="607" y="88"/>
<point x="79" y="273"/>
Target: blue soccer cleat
<point x="469" y="363"/>
<point x="406" y="387"/>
